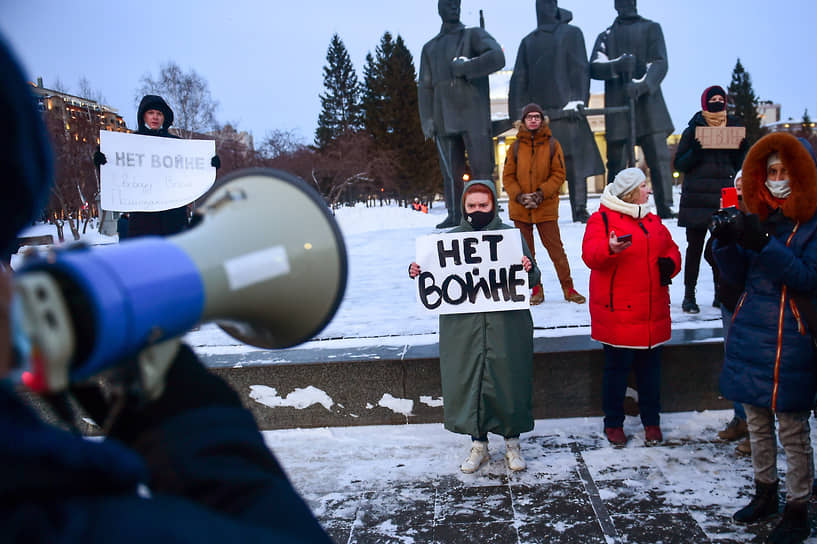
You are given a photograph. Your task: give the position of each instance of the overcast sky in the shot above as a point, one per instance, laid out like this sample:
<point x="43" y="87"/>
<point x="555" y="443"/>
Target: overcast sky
<point x="263" y="59"/>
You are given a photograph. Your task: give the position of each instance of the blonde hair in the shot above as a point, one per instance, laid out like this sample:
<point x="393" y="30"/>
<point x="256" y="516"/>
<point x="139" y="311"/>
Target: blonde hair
<point x="632" y="196"/>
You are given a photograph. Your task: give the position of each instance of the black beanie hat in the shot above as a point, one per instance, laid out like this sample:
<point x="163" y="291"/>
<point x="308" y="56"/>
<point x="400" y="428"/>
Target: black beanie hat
<point x="26" y="158"/>
<point x="531" y="108"/>
<point x="709" y="93"/>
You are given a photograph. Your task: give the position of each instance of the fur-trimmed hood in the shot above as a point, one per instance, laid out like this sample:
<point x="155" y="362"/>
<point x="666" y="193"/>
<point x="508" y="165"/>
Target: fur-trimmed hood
<point x="802" y="203"/>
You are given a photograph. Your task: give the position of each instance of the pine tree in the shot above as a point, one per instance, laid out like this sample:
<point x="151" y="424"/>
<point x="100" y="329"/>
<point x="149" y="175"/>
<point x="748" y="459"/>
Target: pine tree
<point x="806" y="122"/>
<point x="390" y="108"/>
<point x="340" y="107"/>
<point x="743" y="103"/>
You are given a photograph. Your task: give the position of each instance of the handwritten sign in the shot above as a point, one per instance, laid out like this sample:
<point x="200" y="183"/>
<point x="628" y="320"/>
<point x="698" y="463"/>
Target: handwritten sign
<point x="720" y="137"/>
<point x="468" y="272"/>
<point x="149" y="174"/>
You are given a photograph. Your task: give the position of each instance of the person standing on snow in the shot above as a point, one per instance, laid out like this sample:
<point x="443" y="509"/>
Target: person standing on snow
<point x="706" y="172"/>
<point x="154" y="118"/>
<point x="632" y="259"/>
<point x="486" y="358"/>
<point x="769" y="352"/>
<point x="534" y="172"/>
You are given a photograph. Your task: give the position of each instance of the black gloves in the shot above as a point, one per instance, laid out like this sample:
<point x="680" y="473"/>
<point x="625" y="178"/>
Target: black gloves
<point x="753" y="237"/>
<point x="666" y="267"/>
<point x="99" y="158"/>
<point x="696" y="146"/>
<point x="726" y="225"/>
<point x="215" y="161"/>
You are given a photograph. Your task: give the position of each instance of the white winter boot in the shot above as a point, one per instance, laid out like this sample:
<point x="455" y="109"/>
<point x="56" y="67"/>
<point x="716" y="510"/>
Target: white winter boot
<point x="479" y="454"/>
<point x="513" y="455"/>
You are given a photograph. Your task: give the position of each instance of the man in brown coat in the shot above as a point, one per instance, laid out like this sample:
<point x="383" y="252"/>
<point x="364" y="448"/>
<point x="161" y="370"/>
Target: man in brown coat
<point x="534" y="172"/>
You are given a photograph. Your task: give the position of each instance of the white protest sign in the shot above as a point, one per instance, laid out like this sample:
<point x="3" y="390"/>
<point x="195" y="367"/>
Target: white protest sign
<point x="149" y="174"/>
<point x="464" y="272"/>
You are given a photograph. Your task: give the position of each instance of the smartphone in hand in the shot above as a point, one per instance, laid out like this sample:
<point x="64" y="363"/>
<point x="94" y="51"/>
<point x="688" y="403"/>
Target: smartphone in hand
<point x="625" y="238"/>
<point x="729" y="197"/>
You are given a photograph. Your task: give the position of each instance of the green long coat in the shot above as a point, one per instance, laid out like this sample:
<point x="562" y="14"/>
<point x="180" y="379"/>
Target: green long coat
<point x="486" y="362"/>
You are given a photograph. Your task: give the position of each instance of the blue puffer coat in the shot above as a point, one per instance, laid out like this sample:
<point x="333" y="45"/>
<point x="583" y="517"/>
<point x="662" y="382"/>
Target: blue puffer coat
<point x="770" y="359"/>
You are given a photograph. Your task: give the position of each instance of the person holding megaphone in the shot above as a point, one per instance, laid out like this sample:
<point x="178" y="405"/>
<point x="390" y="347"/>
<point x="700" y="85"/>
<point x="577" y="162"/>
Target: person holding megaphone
<point x="182" y="461"/>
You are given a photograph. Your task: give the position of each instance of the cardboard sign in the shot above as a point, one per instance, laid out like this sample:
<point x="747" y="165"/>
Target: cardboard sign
<point x="150" y="174"/>
<point x="467" y="272"/>
<point x="720" y="137"/>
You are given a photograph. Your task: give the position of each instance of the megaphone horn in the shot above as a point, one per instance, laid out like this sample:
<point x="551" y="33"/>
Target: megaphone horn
<point x="271" y="257"/>
<point x="265" y="260"/>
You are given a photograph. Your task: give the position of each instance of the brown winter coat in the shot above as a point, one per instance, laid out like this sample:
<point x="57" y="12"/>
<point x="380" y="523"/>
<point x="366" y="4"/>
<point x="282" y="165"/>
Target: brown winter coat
<point x="530" y="167"/>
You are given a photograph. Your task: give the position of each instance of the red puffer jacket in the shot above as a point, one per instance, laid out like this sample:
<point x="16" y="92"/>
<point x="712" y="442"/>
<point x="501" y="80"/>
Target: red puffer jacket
<point x="628" y="305"/>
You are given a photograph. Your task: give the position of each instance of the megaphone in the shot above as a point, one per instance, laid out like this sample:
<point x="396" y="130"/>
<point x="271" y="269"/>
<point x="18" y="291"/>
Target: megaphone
<point x="265" y="260"/>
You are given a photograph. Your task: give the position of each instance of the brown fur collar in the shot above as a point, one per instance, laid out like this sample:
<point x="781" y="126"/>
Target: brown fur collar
<point x="802" y="203"/>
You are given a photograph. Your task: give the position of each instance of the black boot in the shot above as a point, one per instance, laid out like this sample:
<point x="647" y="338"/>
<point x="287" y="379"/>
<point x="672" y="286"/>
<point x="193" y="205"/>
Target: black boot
<point x="688" y="305"/>
<point x="763" y="505"/>
<point x="794" y="527"/>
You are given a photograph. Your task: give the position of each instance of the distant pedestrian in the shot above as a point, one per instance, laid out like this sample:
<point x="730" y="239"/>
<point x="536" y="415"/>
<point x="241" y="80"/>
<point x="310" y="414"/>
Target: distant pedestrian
<point x="486" y="358"/>
<point x="632" y="260"/>
<point x="706" y="172"/>
<point x="769" y="352"/>
<point x="534" y="171"/>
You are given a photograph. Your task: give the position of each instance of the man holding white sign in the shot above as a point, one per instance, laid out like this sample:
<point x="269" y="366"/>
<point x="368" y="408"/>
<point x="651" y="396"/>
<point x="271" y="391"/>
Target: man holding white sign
<point x="154" y="180"/>
<point x="476" y="277"/>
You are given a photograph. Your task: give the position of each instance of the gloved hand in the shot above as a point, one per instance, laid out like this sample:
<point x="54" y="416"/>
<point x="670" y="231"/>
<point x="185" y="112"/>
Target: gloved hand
<point x="635" y="90"/>
<point x="754" y="236"/>
<point x="99" y="158"/>
<point x="727" y="225"/>
<point x="696" y="146"/>
<point x="537" y="197"/>
<point x="666" y="267"/>
<point x="524" y="198"/>
<point x="458" y="66"/>
<point x="215" y="161"/>
<point x="625" y="64"/>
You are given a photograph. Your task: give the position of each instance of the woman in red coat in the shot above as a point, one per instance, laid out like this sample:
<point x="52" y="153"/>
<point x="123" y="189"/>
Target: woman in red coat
<point x="632" y="258"/>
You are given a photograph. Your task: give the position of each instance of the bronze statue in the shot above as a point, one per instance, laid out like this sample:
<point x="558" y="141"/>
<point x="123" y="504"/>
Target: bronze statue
<point x="454" y="101"/>
<point x="631" y="57"/>
<point x="552" y="70"/>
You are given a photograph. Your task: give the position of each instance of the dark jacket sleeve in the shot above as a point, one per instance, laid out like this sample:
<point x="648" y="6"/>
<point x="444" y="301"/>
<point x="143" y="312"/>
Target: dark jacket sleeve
<point x="202" y="445"/>
<point x="686" y="156"/>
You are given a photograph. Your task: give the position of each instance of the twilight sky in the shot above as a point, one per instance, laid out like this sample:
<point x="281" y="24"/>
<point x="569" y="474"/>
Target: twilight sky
<point x="263" y="59"/>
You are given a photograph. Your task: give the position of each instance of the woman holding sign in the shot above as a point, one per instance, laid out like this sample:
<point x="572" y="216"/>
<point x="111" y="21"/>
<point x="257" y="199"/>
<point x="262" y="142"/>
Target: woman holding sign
<point x="632" y="259"/>
<point x="706" y="172"/>
<point x="486" y="358"/>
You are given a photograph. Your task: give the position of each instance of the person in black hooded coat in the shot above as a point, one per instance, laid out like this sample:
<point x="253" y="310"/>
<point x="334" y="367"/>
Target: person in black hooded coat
<point x="211" y="476"/>
<point x="706" y="172"/>
<point x="154" y="118"/>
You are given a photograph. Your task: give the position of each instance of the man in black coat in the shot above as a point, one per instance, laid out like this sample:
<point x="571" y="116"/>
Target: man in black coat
<point x="631" y="57"/>
<point x="187" y="466"/>
<point x="454" y="101"/>
<point x="154" y="118"/>
<point x="552" y="70"/>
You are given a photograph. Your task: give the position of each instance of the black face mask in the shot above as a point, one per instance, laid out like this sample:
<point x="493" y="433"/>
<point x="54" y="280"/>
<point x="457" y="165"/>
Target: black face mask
<point x="479" y="220"/>
<point x="715" y="107"/>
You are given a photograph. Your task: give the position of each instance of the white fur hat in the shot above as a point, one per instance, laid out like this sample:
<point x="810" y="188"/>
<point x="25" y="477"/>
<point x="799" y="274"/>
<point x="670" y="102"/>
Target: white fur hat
<point x="627" y="180"/>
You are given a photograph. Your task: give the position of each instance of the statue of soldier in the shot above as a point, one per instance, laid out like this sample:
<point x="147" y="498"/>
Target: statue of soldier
<point x="631" y="57"/>
<point x="552" y="70"/>
<point x="454" y="101"/>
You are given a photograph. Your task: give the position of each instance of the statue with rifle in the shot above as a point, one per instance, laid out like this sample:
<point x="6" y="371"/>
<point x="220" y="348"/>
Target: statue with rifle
<point x="454" y="102"/>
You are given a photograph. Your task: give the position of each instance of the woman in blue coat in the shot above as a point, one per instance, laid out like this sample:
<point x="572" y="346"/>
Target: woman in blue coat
<point x="770" y="357"/>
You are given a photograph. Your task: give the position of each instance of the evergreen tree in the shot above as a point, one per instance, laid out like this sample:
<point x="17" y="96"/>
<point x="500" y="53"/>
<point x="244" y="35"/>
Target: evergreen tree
<point x="340" y="107"/>
<point x="806" y="122"/>
<point x="743" y="103"/>
<point x="390" y="105"/>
